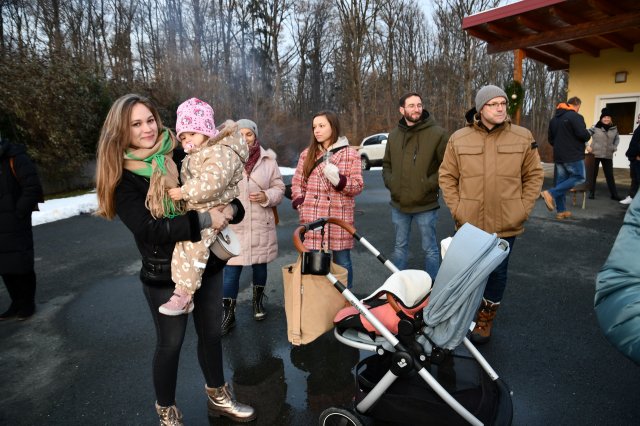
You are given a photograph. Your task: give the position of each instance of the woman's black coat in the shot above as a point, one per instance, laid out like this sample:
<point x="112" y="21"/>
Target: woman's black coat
<point x="156" y="238"/>
<point x="19" y="196"/>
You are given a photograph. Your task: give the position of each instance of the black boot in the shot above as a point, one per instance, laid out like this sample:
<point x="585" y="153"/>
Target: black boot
<point x="26" y="311"/>
<point x="229" y="318"/>
<point x="258" y="309"/>
<point x="9" y="313"/>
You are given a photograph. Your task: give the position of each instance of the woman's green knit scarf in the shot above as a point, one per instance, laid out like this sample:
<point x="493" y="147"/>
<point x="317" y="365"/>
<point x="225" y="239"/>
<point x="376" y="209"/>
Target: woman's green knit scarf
<point x="156" y="163"/>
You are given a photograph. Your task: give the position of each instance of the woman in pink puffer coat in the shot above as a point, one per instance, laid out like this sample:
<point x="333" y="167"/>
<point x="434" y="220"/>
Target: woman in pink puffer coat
<point x="328" y="189"/>
<point x="261" y="190"/>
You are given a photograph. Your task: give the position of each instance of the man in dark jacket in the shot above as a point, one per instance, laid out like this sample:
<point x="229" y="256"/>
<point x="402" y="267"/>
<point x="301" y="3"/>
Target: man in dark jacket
<point x="633" y="155"/>
<point x="567" y="134"/>
<point x="410" y="165"/>
<point x="20" y="192"/>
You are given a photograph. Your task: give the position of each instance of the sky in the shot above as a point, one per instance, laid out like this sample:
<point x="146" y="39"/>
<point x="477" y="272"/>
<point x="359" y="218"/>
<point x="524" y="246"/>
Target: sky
<point x="63" y="208"/>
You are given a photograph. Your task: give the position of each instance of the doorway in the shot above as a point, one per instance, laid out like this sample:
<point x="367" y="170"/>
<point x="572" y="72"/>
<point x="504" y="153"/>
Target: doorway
<point x="624" y="110"/>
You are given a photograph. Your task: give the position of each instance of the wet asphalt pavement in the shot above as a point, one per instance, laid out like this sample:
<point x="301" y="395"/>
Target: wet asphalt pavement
<point x="84" y="358"/>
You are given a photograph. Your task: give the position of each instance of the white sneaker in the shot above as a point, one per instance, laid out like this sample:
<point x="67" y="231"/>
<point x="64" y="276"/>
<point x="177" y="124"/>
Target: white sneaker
<point x="626" y="201"/>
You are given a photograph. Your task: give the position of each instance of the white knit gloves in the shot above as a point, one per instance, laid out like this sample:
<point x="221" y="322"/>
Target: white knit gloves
<point x="331" y="172"/>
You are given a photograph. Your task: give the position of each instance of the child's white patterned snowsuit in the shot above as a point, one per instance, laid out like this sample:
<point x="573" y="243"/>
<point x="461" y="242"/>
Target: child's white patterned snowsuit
<point x="210" y="176"/>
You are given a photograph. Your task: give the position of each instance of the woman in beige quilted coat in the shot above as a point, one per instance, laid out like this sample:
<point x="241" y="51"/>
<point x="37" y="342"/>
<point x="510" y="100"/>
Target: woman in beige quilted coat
<point x="261" y="190"/>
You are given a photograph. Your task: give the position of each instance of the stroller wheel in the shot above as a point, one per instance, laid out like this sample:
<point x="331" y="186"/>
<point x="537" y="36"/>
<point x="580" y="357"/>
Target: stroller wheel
<point x="334" y="416"/>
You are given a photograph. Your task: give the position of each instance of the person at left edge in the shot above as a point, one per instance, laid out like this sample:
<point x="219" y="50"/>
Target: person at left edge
<point x="133" y="125"/>
<point x="20" y="192"/>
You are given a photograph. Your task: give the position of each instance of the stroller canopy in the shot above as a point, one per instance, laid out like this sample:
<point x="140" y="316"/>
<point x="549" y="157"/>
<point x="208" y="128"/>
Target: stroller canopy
<point x="472" y="255"/>
<point x="410" y="287"/>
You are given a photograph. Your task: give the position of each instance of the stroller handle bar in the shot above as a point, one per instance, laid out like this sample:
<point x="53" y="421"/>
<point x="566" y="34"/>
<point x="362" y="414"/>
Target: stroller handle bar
<point x="298" y="237"/>
<point x="298" y="234"/>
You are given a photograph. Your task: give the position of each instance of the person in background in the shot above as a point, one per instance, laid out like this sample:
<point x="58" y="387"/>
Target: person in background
<point x="491" y="177"/>
<point x="410" y="165"/>
<point x="567" y="134"/>
<point x="131" y="129"/>
<point x="604" y="142"/>
<point x="261" y="190"/>
<point x="20" y="193"/>
<point x="633" y="155"/>
<point x="327" y="179"/>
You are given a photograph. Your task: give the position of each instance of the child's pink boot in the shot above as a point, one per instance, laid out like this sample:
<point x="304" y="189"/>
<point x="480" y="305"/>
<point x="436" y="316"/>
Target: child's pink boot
<point x="180" y="303"/>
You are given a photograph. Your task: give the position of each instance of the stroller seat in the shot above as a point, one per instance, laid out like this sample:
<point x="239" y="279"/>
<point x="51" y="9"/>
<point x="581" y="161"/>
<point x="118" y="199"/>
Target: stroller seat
<point x="362" y="340"/>
<point x="410" y="288"/>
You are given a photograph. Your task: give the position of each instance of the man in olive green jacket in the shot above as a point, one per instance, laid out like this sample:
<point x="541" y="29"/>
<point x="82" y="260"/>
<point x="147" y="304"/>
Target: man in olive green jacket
<point x="491" y="177"/>
<point x="410" y="171"/>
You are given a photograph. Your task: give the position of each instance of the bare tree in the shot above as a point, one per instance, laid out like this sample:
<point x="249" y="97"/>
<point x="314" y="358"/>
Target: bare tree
<point x="543" y="91"/>
<point x="277" y="61"/>
<point x="357" y="18"/>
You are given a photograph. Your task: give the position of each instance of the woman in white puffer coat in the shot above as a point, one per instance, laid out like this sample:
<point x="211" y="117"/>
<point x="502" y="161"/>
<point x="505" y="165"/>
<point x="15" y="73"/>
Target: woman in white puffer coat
<point x="261" y="190"/>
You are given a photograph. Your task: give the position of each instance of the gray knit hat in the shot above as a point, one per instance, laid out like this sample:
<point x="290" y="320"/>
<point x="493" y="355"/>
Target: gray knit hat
<point x="248" y="124"/>
<point x="487" y="93"/>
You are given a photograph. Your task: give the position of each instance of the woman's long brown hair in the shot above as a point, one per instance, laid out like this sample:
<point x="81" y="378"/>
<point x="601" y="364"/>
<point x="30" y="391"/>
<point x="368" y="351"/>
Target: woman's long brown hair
<point x="314" y="146"/>
<point x="115" y="137"/>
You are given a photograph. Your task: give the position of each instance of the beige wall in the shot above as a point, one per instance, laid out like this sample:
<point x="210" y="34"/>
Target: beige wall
<point x="590" y="78"/>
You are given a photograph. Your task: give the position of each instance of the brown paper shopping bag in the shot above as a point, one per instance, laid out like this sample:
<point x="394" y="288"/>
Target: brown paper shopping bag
<point x="311" y="302"/>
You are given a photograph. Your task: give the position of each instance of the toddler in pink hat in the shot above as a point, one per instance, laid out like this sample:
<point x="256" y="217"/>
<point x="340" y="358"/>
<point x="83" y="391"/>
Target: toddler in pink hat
<point x="210" y="174"/>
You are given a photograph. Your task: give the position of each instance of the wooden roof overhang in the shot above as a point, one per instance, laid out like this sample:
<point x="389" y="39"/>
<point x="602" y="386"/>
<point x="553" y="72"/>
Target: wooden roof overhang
<point x="550" y="31"/>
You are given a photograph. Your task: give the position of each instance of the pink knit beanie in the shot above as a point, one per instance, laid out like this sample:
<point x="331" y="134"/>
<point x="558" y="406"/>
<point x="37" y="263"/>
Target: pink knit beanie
<point x="195" y="116"/>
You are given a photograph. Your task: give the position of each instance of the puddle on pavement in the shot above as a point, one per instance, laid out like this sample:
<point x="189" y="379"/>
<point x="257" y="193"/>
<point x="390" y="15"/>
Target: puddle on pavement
<point x="292" y="385"/>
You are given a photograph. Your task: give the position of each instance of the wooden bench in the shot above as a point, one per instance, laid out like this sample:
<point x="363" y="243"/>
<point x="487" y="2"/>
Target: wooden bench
<point x="574" y="193"/>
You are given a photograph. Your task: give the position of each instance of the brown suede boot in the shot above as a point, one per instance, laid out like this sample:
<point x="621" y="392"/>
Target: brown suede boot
<point x="487" y="312"/>
<point x="220" y="402"/>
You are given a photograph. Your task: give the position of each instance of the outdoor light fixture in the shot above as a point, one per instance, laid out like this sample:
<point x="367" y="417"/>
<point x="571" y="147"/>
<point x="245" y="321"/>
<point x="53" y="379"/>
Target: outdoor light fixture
<point x="621" y="77"/>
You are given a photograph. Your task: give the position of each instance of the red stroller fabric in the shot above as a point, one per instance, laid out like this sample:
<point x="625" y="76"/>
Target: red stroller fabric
<point x="410" y="289"/>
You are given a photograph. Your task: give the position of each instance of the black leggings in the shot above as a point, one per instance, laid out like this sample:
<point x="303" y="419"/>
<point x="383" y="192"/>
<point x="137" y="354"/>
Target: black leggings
<point x="607" y="167"/>
<point x="170" y="331"/>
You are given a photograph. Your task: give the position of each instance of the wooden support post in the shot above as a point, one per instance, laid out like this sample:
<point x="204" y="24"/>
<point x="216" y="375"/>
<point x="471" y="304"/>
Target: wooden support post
<point x="518" y="56"/>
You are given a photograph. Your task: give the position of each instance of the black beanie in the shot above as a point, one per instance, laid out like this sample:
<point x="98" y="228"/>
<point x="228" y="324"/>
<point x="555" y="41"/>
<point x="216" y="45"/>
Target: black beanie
<point x="606" y="112"/>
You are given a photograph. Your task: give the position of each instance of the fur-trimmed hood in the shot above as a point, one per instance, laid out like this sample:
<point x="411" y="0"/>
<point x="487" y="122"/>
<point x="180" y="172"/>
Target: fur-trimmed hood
<point x="228" y="135"/>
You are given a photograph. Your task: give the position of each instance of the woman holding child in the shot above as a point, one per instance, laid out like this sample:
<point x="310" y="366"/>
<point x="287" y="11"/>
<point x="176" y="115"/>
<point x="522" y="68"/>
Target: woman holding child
<point x="135" y="169"/>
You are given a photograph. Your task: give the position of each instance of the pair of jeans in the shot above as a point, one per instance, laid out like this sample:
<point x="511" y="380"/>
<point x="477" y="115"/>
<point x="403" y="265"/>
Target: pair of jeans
<point x="568" y="175"/>
<point x="170" y="332"/>
<point x="497" y="281"/>
<point x="343" y="258"/>
<point x="231" y="278"/>
<point x="426" y="222"/>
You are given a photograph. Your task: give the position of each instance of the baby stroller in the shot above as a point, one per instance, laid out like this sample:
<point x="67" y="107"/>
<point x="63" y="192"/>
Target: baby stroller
<point x="426" y="371"/>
